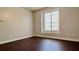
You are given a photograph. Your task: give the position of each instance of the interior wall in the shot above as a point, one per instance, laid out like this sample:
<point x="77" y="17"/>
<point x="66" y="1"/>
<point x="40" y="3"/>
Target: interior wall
<point x="69" y="22"/>
<point x="17" y="23"/>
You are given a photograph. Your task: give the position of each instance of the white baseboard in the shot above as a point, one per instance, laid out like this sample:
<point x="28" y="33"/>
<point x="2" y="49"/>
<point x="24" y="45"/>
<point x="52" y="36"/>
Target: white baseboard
<point x="7" y="41"/>
<point x="62" y="38"/>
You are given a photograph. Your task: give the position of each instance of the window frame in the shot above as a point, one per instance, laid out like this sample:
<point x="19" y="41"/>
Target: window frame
<point x="43" y="20"/>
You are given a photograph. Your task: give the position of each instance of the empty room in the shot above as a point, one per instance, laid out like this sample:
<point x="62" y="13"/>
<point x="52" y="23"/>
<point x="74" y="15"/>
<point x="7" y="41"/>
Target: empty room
<point x="39" y="28"/>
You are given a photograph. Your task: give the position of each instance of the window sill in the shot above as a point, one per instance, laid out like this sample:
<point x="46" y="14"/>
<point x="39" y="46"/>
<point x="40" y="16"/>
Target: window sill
<point x="52" y="32"/>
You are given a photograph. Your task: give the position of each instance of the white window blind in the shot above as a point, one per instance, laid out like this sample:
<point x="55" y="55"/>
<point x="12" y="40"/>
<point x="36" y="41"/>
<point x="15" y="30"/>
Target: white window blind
<point x="51" y="21"/>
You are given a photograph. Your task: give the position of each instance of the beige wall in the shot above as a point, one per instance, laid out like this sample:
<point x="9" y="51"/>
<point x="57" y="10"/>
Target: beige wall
<point x="69" y="22"/>
<point x="17" y="23"/>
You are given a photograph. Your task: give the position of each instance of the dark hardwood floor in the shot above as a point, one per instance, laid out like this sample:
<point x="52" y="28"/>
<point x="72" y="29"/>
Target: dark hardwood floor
<point x="40" y="44"/>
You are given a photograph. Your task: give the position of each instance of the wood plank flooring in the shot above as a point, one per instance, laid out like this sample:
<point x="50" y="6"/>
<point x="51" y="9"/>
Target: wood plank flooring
<point x="40" y="44"/>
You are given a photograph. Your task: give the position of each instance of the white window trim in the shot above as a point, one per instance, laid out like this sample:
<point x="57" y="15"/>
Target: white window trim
<point x="42" y="23"/>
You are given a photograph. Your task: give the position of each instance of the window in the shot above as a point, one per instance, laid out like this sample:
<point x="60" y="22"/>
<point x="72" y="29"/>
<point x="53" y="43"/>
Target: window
<point x="51" y="21"/>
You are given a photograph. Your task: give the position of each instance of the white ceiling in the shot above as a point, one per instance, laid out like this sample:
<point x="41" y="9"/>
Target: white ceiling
<point x="34" y="8"/>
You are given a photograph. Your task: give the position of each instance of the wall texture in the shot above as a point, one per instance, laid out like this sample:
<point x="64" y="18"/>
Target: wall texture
<point x="17" y="23"/>
<point x="69" y="22"/>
